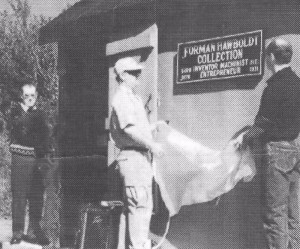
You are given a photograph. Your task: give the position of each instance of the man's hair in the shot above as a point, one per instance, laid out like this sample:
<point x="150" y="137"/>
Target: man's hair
<point x="281" y="49"/>
<point x="27" y="84"/>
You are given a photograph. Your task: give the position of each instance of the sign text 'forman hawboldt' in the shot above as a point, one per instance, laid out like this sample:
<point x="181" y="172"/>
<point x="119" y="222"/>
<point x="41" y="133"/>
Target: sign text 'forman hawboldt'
<point x="219" y="58"/>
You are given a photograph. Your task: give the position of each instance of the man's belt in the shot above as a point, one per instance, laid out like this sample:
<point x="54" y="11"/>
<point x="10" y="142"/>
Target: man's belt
<point x="22" y="150"/>
<point x="136" y="148"/>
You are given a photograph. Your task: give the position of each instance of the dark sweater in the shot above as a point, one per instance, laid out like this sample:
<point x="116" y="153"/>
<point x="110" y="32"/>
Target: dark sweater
<point x="280" y="105"/>
<point x="30" y="129"/>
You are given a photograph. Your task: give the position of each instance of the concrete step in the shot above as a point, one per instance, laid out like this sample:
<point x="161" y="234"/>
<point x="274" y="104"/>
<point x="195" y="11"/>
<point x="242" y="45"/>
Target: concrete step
<point x="22" y="245"/>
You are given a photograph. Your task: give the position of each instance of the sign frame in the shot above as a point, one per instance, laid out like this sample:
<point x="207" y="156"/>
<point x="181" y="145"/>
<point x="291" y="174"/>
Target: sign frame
<point x="259" y="73"/>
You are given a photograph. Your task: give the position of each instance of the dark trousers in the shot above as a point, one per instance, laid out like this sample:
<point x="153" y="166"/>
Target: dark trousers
<point x="27" y="184"/>
<point x="280" y="198"/>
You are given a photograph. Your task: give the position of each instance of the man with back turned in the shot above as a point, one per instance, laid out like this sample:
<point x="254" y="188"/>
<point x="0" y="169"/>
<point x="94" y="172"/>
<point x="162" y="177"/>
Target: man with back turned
<point x="276" y="127"/>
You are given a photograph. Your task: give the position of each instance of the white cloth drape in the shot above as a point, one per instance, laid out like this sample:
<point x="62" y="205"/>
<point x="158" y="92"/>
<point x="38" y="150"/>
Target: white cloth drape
<point x="191" y="173"/>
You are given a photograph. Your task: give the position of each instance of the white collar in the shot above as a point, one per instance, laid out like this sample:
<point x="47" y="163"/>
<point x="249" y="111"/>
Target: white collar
<point x="25" y="107"/>
<point x="280" y="67"/>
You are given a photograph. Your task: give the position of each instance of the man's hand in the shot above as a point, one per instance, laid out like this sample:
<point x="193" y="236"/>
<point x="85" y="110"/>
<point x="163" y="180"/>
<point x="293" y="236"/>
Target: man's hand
<point x="144" y="141"/>
<point x="245" y="142"/>
<point x="50" y="161"/>
<point x="155" y="125"/>
<point x="46" y="163"/>
<point x="238" y="142"/>
<point x="157" y="150"/>
<point x="241" y="142"/>
<point x="48" y="168"/>
<point x="254" y="132"/>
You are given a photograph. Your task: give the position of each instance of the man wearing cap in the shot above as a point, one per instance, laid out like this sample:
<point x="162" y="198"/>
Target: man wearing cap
<point x="276" y="127"/>
<point x="132" y="134"/>
<point x="29" y="148"/>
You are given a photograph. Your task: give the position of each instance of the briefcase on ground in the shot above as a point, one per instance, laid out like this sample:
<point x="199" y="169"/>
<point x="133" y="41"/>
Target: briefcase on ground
<point x="98" y="226"/>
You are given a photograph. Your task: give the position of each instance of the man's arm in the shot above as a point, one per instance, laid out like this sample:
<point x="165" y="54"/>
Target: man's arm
<point x="125" y="111"/>
<point x="264" y="120"/>
<point x="137" y="136"/>
<point x="260" y="126"/>
<point x="44" y="148"/>
<point x="43" y="140"/>
<point x="254" y="133"/>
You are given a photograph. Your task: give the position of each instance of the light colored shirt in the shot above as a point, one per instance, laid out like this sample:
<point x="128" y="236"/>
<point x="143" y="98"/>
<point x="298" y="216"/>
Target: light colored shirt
<point x="128" y="109"/>
<point x="24" y="107"/>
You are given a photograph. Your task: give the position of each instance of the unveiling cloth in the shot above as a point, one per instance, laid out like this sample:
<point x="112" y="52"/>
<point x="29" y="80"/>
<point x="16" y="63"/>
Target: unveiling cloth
<point x="191" y="173"/>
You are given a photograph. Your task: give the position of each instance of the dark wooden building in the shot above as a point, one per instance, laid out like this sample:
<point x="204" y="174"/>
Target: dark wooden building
<point x="93" y="34"/>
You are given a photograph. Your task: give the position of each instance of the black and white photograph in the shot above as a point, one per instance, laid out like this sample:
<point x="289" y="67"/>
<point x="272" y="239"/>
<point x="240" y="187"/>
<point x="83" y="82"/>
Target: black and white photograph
<point x="149" y="124"/>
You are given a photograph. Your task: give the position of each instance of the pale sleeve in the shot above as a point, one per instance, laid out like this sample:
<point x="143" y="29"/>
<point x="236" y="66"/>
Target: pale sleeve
<point x="125" y="111"/>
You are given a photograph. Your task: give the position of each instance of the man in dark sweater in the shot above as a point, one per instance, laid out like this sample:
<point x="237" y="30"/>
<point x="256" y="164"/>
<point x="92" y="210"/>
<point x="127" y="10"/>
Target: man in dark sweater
<point x="277" y="126"/>
<point x="29" y="148"/>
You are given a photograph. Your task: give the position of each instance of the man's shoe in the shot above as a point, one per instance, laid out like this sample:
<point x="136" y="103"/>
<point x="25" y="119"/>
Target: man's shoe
<point x="16" y="238"/>
<point x="35" y="235"/>
<point x="39" y="239"/>
<point x="15" y="241"/>
<point x="29" y="239"/>
<point x="43" y="240"/>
